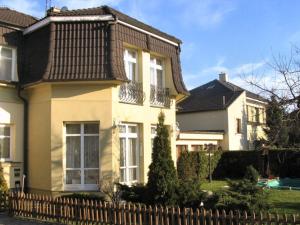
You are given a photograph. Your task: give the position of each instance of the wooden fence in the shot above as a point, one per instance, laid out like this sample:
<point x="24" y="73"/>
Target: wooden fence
<point x="77" y="211"/>
<point x="3" y="202"/>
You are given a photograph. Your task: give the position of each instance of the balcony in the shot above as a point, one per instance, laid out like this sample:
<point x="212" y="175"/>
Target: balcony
<point x="159" y="96"/>
<point x="131" y="92"/>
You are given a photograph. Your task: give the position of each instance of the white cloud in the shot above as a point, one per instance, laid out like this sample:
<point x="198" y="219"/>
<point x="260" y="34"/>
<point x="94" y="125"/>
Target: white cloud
<point x="237" y="75"/>
<point x="294" y="38"/>
<point x="206" y="13"/>
<point x="30" y="7"/>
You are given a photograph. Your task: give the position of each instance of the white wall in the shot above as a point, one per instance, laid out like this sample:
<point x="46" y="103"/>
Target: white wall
<point x="237" y="110"/>
<point x="211" y="120"/>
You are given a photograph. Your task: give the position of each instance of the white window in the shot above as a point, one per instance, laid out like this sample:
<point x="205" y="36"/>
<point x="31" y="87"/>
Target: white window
<point x="130" y="61"/>
<point x="129" y="153"/>
<point x="82" y="156"/>
<point x="8" y="64"/>
<point x="156" y="72"/>
<point x="5" y="142"/>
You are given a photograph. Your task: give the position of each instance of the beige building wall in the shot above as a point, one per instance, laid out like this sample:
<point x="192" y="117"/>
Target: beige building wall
<point x="53" y="105"/>
<point x="211" y="120"/>
<point x="237" y="110"/>
<point x="12" y="113"/>
<point x="145" y="115"/>
<point x="39" y="137"/>
<point x="80" y="103"/>
<point x="255" y="129"/>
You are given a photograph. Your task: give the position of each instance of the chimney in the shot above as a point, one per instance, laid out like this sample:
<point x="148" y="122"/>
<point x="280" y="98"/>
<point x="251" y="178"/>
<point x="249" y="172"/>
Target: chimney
<point x="223" y="77"/>
<point x="53" y="10"/>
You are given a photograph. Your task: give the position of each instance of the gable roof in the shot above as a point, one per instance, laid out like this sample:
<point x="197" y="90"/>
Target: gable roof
<point x="102" y="10"/>
<point x="15" y="18"/>
<point x="214" y="95"/>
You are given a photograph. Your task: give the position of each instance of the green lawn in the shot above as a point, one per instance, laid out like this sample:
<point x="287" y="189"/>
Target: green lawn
<point x="283" y="201"/>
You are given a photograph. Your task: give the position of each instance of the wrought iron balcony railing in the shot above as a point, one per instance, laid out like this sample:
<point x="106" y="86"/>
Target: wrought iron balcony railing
<point x="159" y="96"/>
<point x="131" y="92"/>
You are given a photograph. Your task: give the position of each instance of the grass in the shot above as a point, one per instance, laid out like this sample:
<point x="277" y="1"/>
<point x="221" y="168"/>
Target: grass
<point x="282" y="201"/>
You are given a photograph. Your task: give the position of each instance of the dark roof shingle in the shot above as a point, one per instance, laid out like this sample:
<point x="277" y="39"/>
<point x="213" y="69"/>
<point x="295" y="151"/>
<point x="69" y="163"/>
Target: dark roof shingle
<point x="15" y="18"/>
<point x="121" y="16"/>
<point x="211" y="96"/>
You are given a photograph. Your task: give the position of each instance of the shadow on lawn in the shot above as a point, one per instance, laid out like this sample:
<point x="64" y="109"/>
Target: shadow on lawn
<point x="287" y="206"/>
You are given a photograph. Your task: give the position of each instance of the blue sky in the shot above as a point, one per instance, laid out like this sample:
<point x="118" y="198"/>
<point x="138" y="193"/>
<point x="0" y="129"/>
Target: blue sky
<point x="236" y="36"/>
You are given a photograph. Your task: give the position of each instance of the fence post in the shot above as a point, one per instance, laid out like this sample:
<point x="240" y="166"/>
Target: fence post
<point x="223" y="217"/>
<point x="178" y="216"/>
<point x="203" y="216"/>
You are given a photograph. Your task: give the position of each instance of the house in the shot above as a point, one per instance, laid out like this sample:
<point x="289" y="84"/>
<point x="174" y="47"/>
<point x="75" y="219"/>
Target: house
<point x="230" y="117"/>
<point x="93" y="82"/>
<point x="11" y="105"/>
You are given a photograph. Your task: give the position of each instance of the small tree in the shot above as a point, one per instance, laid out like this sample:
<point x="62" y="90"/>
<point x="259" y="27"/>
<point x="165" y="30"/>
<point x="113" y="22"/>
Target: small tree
<point x="277" y="131"/>
<point x="251" y="174"/>
<point x="162" y="177"/>
<point x="3" y="185"/>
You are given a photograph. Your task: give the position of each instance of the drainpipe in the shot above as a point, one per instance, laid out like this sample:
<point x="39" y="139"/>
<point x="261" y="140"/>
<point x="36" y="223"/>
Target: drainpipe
<point x="25" y="137"/>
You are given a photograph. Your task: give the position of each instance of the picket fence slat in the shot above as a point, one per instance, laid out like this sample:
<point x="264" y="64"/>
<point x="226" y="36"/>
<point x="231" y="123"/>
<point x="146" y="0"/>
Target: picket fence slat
<point x="77" y="211"/>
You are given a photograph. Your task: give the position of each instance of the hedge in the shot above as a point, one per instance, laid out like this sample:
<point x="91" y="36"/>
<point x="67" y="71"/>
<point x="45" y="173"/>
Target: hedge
<point x="282" y="163"/>
<point x="233" y="164"/>
<point x="195" y="165"/>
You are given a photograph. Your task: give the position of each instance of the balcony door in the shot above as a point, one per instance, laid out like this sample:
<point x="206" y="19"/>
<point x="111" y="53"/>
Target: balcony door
<point x="129" y="153"/>
<point x="156" y="72"/>
<point x="81" y="156"/>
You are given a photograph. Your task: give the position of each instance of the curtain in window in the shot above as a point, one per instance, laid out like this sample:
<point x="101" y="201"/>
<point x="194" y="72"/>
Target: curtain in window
<point x="6" y="64"/>
<point x="4" y="142"/>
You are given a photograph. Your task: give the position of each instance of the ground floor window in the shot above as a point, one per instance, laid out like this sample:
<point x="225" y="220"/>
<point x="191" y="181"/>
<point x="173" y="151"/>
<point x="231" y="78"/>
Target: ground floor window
<point x="129" y="153"/>
<point x="5" y="142"/>
<point x="82" y="155"/>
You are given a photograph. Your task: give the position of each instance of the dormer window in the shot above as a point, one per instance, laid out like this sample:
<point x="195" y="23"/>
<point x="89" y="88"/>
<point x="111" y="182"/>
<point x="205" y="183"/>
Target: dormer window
<point x="8" y="64"/>
<point x="130" y="61"/>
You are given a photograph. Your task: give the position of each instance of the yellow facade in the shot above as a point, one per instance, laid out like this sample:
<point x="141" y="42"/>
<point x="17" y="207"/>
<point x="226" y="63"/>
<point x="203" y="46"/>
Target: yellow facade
<point x="256" y="121"/>
<point x="11" y="114"/>
<point x="51" y="105"/>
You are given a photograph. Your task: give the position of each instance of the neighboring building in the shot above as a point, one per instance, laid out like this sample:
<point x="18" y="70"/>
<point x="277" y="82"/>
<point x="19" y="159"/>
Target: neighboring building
<point x="222" y="106"/>
<point x="95" y="81"/>
<point x="11" y="106"/>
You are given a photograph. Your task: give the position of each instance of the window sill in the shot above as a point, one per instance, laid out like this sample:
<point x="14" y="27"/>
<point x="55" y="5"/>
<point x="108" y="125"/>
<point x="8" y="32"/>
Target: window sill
<point x="131" y="103"/>
<point x="81" y="188"/>
<point x="159" y="106"/>
<point x="6" y="160"/>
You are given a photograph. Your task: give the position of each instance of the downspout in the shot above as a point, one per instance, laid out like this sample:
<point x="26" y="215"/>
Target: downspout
<point x="25" y="137"/>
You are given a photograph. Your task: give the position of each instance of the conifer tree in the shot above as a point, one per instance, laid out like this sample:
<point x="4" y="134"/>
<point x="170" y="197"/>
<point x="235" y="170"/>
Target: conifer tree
<point x="277" y="129"/>
<point x="3" y="185"/>
<point x="162" y="176"/>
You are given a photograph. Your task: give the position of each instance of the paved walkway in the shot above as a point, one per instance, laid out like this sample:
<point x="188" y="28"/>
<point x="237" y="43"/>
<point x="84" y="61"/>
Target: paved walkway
<point x="6" y="220"/>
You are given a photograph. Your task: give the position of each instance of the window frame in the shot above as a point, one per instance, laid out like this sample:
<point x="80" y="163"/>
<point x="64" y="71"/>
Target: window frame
<point x="82" y="135"/>
<point x="238" y="126"/>
<point x="155" y="66"/>
<point x="128" y="136"/>
<point x="10" y="142"/>
<point x="13" y="75"/>
<point x="127" y="58"/>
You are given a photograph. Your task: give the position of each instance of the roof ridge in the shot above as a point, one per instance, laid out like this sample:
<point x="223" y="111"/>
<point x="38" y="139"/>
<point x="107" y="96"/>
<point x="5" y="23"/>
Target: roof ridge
<point x="113" y="11"/>
<point x="14" y="10"/>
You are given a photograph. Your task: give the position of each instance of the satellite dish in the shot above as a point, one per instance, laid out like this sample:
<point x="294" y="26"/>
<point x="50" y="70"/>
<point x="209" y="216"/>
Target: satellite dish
<point x="65" y="8"/>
